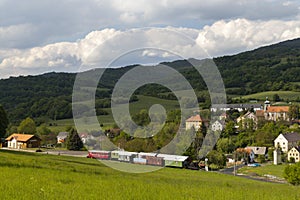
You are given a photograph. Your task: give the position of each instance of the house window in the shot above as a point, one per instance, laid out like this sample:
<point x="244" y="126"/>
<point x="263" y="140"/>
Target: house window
<point x="296" y="158"/>
<point x="290" y="154"/>
<point x="283" y="143"/>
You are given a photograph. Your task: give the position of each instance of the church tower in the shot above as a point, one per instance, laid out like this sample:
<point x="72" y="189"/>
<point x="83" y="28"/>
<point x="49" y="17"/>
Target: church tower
<point x="266" y="104"/>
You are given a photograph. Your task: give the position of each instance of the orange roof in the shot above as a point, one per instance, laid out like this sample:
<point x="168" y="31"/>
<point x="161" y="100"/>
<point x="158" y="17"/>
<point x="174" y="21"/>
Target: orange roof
<point x="278" y="109"/>
<point x="260" y="113"/>
<point x="20" y="137"/>
<point x="196" y="118"/>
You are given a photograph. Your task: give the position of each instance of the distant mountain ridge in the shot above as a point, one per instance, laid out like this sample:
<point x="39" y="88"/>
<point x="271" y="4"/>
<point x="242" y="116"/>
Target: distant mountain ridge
<point x="274" y="67"/>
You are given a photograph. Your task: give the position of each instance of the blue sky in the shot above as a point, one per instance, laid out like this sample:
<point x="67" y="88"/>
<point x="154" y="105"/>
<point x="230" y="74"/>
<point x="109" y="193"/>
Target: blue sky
<point x="41" y="36"/>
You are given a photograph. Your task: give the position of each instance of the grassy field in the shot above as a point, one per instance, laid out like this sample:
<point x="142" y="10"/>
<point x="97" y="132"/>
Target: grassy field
<point x="291" y="96"/>
<point x="268" y="169"/>
<point x="145" y="102"/>
<point x="37" y="176"/>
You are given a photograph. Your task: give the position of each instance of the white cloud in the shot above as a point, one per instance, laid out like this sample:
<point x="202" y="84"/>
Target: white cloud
<point x="50" y="21"/>
<point x="100" y="48"/>
<point x="239" y="35"/>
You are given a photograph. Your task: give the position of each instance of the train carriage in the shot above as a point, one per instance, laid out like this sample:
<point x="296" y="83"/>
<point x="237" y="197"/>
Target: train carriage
<point x="99" y="154"/>
<point x="174" y="160"/>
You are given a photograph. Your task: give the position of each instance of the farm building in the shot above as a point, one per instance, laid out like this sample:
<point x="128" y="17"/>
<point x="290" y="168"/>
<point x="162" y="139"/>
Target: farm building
<point x="21" y="141"/>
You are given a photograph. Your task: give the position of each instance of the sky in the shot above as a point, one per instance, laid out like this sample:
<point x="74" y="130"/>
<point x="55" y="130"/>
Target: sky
<point x="74" y="35"/>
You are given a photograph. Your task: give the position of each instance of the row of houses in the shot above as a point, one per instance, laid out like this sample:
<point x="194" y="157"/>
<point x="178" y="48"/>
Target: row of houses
<point x="255" y="112"/>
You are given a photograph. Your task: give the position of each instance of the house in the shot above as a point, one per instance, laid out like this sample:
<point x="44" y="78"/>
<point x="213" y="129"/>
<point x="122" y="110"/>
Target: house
<point x="276" y="113"/>
<point x="83" y="137"/>
<point x="246" y="120"/>
<point x="217" y="126"/>
<point x="61" y="137"/>
<point x="287" y="141"/>
<point x="194" y="121"/>
<point x="273" y="113"/>
<point x="294" y="153"/>
<point x="259" y="150"/>
<point x="21" y="141"/>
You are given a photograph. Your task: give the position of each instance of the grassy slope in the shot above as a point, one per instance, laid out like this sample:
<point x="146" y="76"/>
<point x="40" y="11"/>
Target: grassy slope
<point x="291" y="96"/>
<point x="33" y="176"/>
<point x="145" y="102"/>
<point x="275" y="170"/>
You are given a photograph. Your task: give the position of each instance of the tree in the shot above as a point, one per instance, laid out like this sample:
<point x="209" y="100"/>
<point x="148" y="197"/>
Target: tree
<point x="225" y="145"/>
<point x="276" y="98"/>
<point x="3" y="122"/>
<point x="216" y="158"/>
<point x="73" y="141"/>
<point x="293" y="112"/>
<point x="27" y="126"/>
<point x="43" y="130"/>
<point x="292" y="174"/>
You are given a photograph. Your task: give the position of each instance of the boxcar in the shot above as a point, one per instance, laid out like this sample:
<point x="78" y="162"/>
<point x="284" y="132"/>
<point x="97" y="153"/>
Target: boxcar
<point x="156" y="161"/>
<point x="99" y="154"/>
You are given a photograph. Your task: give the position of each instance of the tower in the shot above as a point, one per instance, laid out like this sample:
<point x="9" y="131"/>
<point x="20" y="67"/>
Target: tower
<point x="266" y="104"/>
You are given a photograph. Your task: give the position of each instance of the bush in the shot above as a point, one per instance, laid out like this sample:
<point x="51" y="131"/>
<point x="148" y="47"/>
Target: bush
<point x="292" y="174"/>
<point x="213" y="167"/>
<point x="261" y="158"/>
<point x="217" y="158"/>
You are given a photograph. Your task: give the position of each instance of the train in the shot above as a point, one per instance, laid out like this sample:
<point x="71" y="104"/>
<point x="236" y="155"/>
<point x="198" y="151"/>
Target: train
<point x="142" y="158"/>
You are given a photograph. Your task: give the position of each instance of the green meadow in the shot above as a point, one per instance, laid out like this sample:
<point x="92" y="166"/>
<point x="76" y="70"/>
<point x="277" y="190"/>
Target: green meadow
<point x="261" y="96"/>
<point x="40" y="176"/>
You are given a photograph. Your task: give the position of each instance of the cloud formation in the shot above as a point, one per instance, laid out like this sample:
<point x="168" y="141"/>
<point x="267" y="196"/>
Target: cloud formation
<point x="50" y="21"/>
<point x="111" y="47"/>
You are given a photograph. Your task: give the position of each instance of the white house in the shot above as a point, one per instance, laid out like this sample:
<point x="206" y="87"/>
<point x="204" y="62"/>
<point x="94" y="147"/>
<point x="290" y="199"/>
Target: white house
<point x="61" y="137"/>
<point x="287" y="141"/>
<point x="246" y="119"/>
<point x="217" y="126"/>
<point x="294" y="153"/>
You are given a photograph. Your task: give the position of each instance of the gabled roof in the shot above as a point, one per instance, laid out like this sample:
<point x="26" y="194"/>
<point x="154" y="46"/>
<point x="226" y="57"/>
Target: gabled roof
<point x="292" y="137"/>
<point x="297" y="148"/>
<point x="278" y="109"/>
<point x="63" y="134"/>
<point x="20" y="137"/>
<point x="196" y="118"/>
<point x="258" y="150"/>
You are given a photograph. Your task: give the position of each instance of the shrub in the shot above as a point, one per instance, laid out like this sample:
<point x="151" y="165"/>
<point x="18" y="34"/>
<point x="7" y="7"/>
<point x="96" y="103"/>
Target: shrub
<point x="292" y="174"/>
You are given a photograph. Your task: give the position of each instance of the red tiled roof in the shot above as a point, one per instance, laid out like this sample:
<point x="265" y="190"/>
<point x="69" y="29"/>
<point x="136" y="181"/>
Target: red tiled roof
<point x="196" y="118"/>
<point x="278" y="109"/>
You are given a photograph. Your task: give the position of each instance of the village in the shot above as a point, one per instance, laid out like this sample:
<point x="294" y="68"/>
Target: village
<point x="235" y="120"/>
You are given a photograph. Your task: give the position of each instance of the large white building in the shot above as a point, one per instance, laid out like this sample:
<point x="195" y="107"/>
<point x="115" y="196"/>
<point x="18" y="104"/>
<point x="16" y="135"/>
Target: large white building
<point x="287" y="141"/>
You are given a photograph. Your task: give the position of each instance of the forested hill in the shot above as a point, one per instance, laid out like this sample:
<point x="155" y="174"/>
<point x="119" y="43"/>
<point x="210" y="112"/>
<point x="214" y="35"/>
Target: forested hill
<point x="275" y="67"/>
